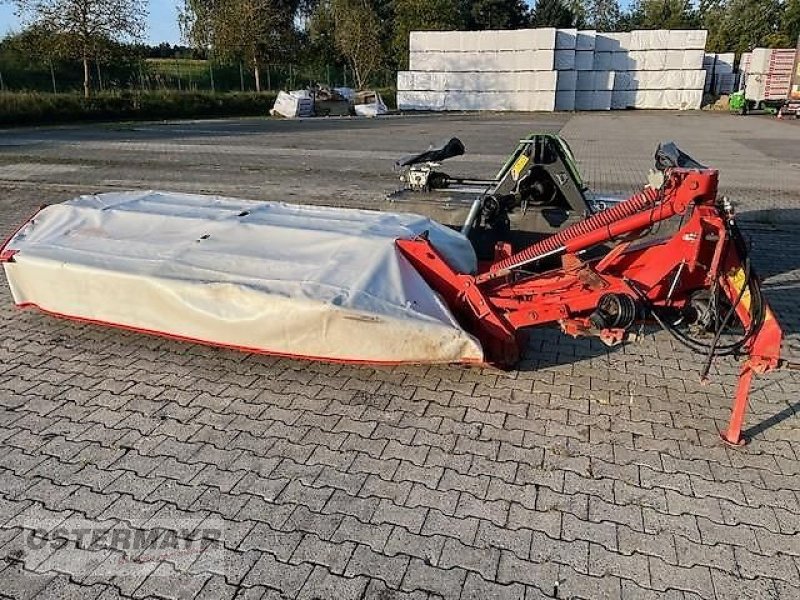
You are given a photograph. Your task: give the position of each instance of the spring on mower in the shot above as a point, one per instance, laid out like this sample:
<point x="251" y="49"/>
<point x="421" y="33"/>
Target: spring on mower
<point x="636" y="203"/>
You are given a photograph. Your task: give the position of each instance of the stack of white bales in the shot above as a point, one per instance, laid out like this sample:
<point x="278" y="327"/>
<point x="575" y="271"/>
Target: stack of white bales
<point x="659" y="69"/>
<point x="480" y="70"/>
<point x="565" y="57"/>
<point x="586" y="76"/>
<point x="767" y="73"/>
<point x="547" y="69"/>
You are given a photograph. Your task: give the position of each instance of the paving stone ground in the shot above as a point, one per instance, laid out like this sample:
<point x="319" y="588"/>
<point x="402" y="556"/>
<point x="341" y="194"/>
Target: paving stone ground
<point x="585" y="473"/>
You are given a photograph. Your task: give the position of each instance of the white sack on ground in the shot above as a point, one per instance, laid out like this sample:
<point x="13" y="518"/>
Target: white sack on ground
<point x="298" y="280"/>
<point x="369" y="105"/>
<point x="293" y="104"/>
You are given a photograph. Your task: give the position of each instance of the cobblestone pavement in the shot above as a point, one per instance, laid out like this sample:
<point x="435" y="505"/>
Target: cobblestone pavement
<point x="585" y="473"/>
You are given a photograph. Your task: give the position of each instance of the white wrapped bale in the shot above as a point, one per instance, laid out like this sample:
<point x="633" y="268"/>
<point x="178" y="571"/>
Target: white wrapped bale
<point x="594" y="100"/>
<point x="564" y="59"/>
<point x="501" y="101"/>
<point x="654" y="39"/>
<point x="437" y="41"/>
<point x="623" y="99"/>
<point x="674" y="59"/>
<point x="625" y="81"/>
<point x="744" y="63"/>
<point x="636" y="60"/>
<point x="669" y="99"/>
<point x="425" y="61"/>
<point x="567" y="81"/>
<point x="613" y="42"/>
<point x="420" y="81"/>
<point x="759" y="60"/>
<point x="541" y="102"/>
<point x="529" y="81"/>
<point x="692" y="59"/>
<point x="405" y="80"/>
<point x="585" y="81"/>
<point x="584" y="60"/>
<point x="724" y="63"/>
<point x="508" y="40"/>
<point x="543" y="38"/>
<point x="687" y="39"/>
<point x="446" y="41"/>
<point x="604" y="80"/>
<point x="655" y="60"/>
<point x="418" y="41"/>
<point x="640" y="40"/>
<point x="474" y="61"/>
<point x="671" y="80"/>
<point x="606" y="42"/>
<point x="647" y="60"/>
<point x="484" y="41"/>
<point x="622" y="61"/>
<point x="534" y="60"/>
<point x="566" y="39"/>
<point x="585" y="40"/>
<point x="418" y="100"/>
<point x="565" y="100"/>
<point x="592" y="81"/>
<point x="537" y="81"/>
<point x="724" y="83"/>
<point x="603" y="61"/>
<point x="693" y="80"/>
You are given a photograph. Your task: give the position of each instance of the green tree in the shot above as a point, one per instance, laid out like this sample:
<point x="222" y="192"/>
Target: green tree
<point x="423" y="15"/>
<point x="664" y="14"/>
<point x="603" y="15"/>
<point x="498" y="14"/>
<point x="83" y="27"/>
<point x="356" y="33"/>
<point x="579" y="8"/>
<point x="251" y="31"/>
<point x="741" y="25"/>
<point x="790" y="23"/>
<point x="322" y="35"/>
<point x="552" y="13"/>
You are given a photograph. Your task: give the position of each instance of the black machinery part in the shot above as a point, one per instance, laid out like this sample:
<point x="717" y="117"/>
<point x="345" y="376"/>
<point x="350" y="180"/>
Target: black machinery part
<point x="453" y="147"/>
<point x="669" y="155"/>
<point x="614" y="311"/>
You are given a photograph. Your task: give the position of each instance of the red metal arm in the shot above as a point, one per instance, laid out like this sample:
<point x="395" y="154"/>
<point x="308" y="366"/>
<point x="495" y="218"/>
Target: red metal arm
<point x="496" y="304"/>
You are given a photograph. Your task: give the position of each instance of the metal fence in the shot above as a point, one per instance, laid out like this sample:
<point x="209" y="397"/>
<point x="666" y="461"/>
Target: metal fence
<point x="176" y="75"/>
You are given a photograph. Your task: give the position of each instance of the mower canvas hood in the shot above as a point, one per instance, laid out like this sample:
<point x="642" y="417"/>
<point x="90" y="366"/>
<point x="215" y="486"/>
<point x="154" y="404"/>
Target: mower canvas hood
<point x="268" y="277"/>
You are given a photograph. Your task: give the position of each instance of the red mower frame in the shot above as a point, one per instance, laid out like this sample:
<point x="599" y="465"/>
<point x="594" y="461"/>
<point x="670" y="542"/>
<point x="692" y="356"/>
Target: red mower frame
<point x="706" y="253"/>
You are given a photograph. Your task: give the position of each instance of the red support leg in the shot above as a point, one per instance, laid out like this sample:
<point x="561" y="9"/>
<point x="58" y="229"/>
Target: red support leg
<point x="733" y="435"/>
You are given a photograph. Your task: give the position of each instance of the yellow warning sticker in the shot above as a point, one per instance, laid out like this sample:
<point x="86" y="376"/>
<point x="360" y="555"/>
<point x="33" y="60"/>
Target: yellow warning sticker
<point x="519" y="164"/>
<point x="737" y="280"/>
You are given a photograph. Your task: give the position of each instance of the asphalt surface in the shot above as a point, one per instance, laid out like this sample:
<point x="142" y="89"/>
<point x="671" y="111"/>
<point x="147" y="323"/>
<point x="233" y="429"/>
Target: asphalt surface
<point x="586" y="473"/>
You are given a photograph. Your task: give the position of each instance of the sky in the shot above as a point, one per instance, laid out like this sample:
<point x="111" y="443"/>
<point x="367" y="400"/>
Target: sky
<point x="162" y="21"/>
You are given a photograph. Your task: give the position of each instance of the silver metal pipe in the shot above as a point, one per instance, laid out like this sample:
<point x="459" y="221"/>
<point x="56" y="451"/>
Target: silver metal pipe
<point x="474" y="211"/>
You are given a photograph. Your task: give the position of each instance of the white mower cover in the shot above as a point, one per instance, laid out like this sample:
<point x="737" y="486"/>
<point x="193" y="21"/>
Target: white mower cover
<point x="268" y="277"/>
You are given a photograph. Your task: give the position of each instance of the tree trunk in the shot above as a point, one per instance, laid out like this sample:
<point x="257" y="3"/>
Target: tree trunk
<point x="86" y="82"/>
<point x="99" y="73"/>
<point x="53" y="77"/>
<point x="257" y="75"/>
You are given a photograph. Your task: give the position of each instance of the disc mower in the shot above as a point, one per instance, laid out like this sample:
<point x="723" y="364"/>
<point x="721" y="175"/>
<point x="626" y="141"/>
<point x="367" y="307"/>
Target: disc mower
<point x="388" y="288"/>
